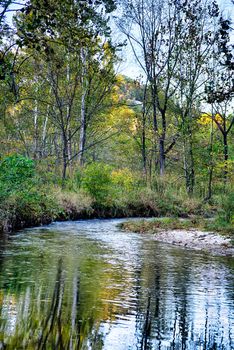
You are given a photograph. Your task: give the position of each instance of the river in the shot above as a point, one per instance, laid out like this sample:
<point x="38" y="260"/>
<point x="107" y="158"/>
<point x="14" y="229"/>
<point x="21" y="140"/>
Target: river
<point x="88" y="285"/>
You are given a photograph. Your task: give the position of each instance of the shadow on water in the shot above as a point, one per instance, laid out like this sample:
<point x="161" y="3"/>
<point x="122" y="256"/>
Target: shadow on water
<point x="73" y="291"/>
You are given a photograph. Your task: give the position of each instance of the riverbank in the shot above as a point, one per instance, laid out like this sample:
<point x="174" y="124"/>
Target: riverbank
<point x="23" y="212"/>
<point x="65" y="208"/>
<point x="184" y="233"/>
<point x="41" y="205"/>
<point x="30" y="197"/>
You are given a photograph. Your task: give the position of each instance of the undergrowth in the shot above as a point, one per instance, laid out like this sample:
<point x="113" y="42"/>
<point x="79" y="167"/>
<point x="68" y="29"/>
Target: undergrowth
<point x="29" y="197"/>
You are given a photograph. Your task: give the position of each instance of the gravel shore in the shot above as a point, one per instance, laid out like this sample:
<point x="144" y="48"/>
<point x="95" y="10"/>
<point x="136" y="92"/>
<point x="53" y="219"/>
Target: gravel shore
<point x="198" y="240"/>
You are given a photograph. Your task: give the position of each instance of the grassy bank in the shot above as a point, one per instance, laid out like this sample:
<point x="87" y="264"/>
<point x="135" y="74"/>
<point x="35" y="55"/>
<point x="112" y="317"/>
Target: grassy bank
<point x="30" y="196"/>
<point x="159" y="224"/>
<point x="44" y="204"/>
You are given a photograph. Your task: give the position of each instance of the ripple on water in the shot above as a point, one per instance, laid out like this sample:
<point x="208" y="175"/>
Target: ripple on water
<point x="88" y="285"/>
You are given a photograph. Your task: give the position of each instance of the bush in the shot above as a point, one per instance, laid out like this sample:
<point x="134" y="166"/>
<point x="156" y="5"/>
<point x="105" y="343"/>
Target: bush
<point x="23" y="199"/>
<point x="96" y="180"/>
<point x="226" y="209"/>
<point x="123" y="179"/>
<point x="24" y="208"/>
<point x="16" y="172"/>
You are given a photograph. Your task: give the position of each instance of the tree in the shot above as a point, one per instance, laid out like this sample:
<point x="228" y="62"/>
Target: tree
<point x="163" y="37"/>
<point x="198" y="20"/>
<point x="153" y="30"/>
<point x="220" y="87"/>
<point x="58" y="51"/>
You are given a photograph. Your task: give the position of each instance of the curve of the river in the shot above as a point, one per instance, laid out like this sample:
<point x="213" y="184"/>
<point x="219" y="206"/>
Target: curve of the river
<point x="88" y="285"/>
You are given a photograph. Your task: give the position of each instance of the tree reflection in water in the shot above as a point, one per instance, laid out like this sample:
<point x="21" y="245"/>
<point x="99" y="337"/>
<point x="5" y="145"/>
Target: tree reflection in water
<point x="165" y="320"/>
<point x="29" y="326"/>
<point x="91" y="296"/>
<point x="74" y="332"/>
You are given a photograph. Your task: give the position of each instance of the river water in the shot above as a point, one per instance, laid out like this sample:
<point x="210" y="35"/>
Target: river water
<point x="87" y="285"/>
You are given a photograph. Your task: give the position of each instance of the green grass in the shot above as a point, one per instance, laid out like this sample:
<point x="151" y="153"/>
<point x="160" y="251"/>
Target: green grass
<point x="154" y="225"/>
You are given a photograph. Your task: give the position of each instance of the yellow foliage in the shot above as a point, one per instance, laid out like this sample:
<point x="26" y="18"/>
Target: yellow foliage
<point x="219" y="118"/>
<point x="123" y="177"/>
<point x="106" y="45"/>
<point x="206" y="118"/>
<point x="227" y="165"/>
<point x="120" y="79"/>
<point x="125" y="112"/>
<point x="14" y="109"/>
<point x="123" y="116"/>
<point x="116" y="95"/>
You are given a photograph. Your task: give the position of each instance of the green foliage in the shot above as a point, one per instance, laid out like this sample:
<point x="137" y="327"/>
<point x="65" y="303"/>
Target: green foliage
<point x="108" y="186"/>
<point x="226" y="208"/>
<point x="26" y="208"/>
<point x="123" y="179"/>
<point x="37" y="18"/>
<point x="16" y="172"/>
<point x="24" y="201"/>
<point x="96" y="180"/>
<point x="16" y="169"/>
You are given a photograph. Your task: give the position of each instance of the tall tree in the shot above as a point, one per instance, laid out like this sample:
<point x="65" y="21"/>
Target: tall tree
<point x="161" y="34"/>
<point x="198" y="20"/>
<point x="58" y="36"/>
<point x="220" y="88"/>
<point x="153" y="30"/>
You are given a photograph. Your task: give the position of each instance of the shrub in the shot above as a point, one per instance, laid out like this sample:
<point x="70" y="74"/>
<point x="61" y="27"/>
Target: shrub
<point x="23" y="199"/>
<point x="15" y="173"/>
<point x="96" y="180"/>
<point x="124" y="179"/>
<point x="226" y="210"/>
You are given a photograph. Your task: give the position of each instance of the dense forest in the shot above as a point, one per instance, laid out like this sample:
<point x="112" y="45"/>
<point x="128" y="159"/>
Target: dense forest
<point x="79" y="139"/>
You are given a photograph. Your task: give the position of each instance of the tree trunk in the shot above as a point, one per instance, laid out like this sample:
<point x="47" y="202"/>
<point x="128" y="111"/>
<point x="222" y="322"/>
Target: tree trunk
<point x="143" y="136"/>
<point x="65" y="158"/>
<point x="144" y="159"/>
<point x="191" y="184"/>
<point x="69" y="146"/>
<point x="44" y="136"/>
<point x="68" y="117"/>
<point x="36" y="133"/>
<point x="189" y="160"/>
<point x="82" y="130"/>
<point x="83" y="121"/>
<point x="162" y="154"/>
<point x="56" y="150"/>
<point x="155" y="121"/>
<point x="225" y="154"/>
<point x="211" y="165"/>
<point x="162" y="144"/>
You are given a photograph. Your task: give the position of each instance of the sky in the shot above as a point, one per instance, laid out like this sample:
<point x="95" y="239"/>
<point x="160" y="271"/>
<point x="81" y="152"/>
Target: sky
<point x="129" y="66"/>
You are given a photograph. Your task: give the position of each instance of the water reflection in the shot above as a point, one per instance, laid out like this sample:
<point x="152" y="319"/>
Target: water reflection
<point x="187" y="310"/>
<point x="89" y="286"/>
